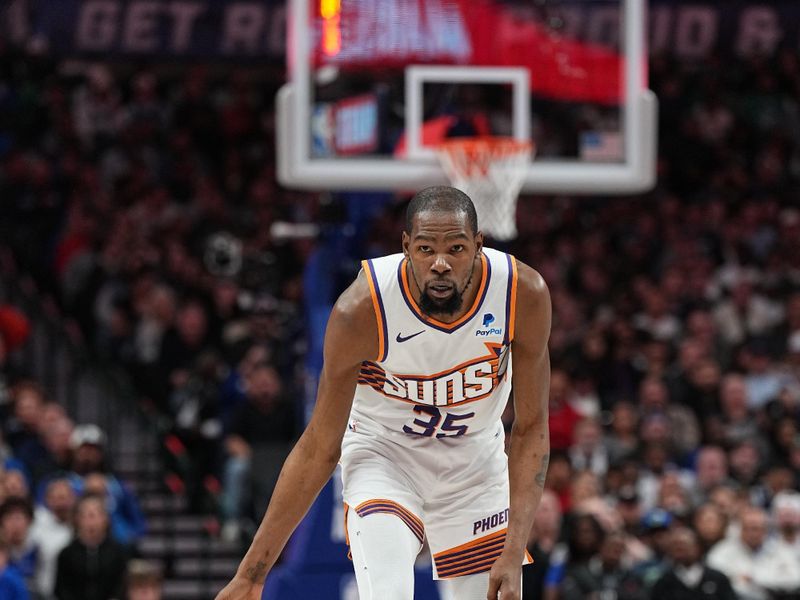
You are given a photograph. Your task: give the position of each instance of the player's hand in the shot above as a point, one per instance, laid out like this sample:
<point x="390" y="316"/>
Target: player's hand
<point x="505" y="579"/>
<point x="241" y="588"/>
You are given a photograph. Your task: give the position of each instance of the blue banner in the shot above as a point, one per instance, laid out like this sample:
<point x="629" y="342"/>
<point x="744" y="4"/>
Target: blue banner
<point x="253" y="30"/>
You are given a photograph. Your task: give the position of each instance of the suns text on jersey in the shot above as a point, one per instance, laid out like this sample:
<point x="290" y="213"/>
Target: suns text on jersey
<point x="468" y="381"/>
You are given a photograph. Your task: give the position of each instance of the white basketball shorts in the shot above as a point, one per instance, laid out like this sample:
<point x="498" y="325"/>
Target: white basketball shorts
<point x="453" y="491"/>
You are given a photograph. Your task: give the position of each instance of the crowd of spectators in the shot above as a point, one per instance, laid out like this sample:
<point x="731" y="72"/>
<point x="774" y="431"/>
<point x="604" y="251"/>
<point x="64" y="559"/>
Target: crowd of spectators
<point x="144" y="206"/>
<point x="69" y="526"/>
<point x="675" y="391"/>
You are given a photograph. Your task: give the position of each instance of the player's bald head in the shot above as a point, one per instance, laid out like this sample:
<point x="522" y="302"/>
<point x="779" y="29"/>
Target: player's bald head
<point x="442" y="199"/>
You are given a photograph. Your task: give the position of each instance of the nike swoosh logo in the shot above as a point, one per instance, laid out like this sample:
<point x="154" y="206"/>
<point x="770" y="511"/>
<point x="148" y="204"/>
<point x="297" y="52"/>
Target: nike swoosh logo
<point x="400" y="339"/>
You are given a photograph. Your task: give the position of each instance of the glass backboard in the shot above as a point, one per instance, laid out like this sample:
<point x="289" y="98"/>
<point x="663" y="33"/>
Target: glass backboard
<point x="376" y="84"/>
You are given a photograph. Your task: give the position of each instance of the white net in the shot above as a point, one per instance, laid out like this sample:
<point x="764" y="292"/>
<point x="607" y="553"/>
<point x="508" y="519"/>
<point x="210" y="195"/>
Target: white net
<point x="490" y="170"/>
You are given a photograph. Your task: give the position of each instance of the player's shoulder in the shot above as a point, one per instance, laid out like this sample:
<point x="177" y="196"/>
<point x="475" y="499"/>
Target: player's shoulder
<point x="355" y="303"/>
<point x="530" y="283"/>
<point x="533" y="310"/>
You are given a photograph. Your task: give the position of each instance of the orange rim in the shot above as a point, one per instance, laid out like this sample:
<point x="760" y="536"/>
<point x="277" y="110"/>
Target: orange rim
<point x="469" y="154"/>
<point x="486" y="145"/>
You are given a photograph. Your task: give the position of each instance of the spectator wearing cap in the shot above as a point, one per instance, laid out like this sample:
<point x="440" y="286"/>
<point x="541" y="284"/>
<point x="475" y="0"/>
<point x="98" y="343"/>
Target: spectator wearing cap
<point x="16" y="515"/>
<point x="88" y="446"/>
<point x="143" y="580"/>
<point x="688" y="578"/>
<point x="756" y="566"/>
<point x="92" y="566"/>
<point x="655" y="526"/>
<point x="88" y="449"/>
<point x="52" y="531"/>
<point x="629" y="509"/>
<point x="12" y="585"/>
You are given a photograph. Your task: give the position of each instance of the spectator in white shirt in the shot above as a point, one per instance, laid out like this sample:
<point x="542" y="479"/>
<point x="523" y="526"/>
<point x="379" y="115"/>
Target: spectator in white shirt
<point x="745" y="313"/>
<point x="756" y="566"/>
<point x="52" y="532"/>
<point x="786" y="516"/>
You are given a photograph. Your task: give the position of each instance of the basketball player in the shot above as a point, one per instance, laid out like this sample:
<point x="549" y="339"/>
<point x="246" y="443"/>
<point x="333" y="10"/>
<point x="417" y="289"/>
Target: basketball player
<point x="419" y="352"/>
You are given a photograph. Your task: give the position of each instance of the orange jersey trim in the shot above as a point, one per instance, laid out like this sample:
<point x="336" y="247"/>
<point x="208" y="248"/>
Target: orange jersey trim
<point x="412" y="303"/>
<point x="512" y="316"/>
<point x="346" y="532"/>
<point x="377" y="306"/>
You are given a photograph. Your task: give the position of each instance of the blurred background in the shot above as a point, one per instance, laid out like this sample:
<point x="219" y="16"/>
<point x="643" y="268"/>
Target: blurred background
<point x="163" y="302"/>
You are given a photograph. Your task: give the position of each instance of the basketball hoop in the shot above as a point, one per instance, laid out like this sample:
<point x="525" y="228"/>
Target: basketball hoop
<point x="489" y="170"/>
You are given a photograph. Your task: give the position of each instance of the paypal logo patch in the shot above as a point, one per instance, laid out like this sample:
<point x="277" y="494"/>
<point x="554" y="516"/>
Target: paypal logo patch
<point x="488" y="319"/>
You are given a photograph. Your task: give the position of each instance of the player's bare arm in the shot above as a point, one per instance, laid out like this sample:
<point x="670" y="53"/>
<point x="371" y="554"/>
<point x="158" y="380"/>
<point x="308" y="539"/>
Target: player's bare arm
<point x="350" y="338"/>
<point x="529" y="451"/>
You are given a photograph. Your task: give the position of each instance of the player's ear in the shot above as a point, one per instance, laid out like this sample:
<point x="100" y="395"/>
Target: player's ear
<point x="478" y="242"/>
<point x="405" y="243"/>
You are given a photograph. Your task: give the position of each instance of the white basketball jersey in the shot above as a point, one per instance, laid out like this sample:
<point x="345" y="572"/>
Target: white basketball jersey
<point x="436" y="379"/>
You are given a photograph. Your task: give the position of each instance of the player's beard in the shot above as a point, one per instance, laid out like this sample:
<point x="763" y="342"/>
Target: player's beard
<point x="432" y="306"/>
